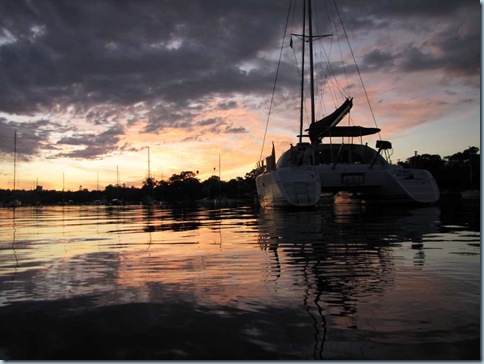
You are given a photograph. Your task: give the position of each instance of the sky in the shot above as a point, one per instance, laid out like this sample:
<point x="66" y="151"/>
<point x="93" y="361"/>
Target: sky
<point x="93" y="87"/>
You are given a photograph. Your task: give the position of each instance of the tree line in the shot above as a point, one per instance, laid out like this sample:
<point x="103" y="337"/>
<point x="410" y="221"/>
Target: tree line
<point x="182" y="187"/>
<point x="460" y="171"/>
<point x="457" y="172"/>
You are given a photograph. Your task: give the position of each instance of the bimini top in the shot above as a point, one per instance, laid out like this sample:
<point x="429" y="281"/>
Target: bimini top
<point x="348" y="131"/>
<point x="327" y="126"/>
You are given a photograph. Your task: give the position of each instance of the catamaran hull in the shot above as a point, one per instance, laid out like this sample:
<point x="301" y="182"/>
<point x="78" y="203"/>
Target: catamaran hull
<point x="390" y="183"/>
<point x="289" y="187"/>
<point x="417" y="185"/>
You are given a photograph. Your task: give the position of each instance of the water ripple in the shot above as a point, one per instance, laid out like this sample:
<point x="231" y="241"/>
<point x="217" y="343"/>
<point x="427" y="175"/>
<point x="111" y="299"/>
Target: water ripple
<point x="349" y="273"/>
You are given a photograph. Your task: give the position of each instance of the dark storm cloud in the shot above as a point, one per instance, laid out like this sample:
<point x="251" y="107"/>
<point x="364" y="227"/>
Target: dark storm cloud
<point x="31" y="137"/>
<point x="66" y="52"/>
<point x="227" y="105"/>
<point x="210" y="121"/>
<point x="220" y="126"/>
<point x="170" y="115"/>
<point x="123" y="52"/>
<point x="103" y="57"/>
<point x="379" y="13"/>
<point x="212" y="126"/>
<point x="378" y="59"/>
<point x="455" y="48"/>
<point x="95" y="145"/>
<point x="235" y="130"/>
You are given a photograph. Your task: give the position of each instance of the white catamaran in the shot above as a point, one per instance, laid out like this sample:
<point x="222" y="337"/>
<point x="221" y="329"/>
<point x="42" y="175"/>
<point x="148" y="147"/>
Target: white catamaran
<point x="307" y="169"/>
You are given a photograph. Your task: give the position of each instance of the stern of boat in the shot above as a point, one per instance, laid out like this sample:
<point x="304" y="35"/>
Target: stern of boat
<point x="292" y="186"/>
<point x="418" y="184"/>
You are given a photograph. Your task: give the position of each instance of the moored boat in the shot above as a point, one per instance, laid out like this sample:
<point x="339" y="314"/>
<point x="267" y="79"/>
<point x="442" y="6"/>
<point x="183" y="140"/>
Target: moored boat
<point x="306" y="170"/>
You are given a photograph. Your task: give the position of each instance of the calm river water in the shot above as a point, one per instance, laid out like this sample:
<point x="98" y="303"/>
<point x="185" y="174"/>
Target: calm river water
<point x="345" y="280"/>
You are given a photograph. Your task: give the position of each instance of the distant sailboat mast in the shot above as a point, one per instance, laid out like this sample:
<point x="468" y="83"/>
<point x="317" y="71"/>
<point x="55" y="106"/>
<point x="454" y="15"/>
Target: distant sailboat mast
<point x="219" y="176"/>
<point x="15" y="160"/>
<point x="149" y="168"/>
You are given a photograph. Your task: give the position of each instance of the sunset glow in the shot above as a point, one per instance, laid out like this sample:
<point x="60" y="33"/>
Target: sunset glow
<point x="90" y="86"/>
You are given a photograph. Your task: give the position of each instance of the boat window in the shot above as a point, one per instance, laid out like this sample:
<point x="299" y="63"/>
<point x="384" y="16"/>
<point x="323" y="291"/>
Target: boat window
<point x="346" y="154"/>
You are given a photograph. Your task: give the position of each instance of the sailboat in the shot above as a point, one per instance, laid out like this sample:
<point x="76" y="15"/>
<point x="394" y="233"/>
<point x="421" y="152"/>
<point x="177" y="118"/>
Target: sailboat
<point x="310" y="168"/>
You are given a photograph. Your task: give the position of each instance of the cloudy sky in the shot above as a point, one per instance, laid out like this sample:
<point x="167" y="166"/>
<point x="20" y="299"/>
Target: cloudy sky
<point x="90" y="85"/>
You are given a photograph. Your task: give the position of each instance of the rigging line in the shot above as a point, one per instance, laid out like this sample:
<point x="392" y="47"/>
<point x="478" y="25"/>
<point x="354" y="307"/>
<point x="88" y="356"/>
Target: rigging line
<point x="275" y="81"/>
<point x="296" y="62"/>
<point x="305" y="108"/>
<point x="347" y="92"/>
<point x="329" y="74"/>
<point x="319" y="53"/>
<point x="292" y="47"/>
<point x="321" y="84"/>
<point x="356" y="65"/>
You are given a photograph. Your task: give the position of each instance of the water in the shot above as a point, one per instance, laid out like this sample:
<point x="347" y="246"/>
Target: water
<point x="345" y="280"/>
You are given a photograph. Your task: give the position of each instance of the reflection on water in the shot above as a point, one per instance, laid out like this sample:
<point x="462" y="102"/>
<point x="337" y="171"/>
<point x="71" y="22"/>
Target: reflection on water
<point x="344" y="280"/>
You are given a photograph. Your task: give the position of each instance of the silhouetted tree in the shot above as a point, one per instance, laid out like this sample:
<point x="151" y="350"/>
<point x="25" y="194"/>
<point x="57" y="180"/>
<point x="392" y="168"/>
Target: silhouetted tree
<point x="466" y="167"/>
<point x="212" y="187"/>
<point x="183" y="187"/>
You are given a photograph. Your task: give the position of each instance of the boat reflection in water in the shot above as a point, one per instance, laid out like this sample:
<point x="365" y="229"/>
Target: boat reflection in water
<point x="335" y="261"/>
<point x="344" y="280"/>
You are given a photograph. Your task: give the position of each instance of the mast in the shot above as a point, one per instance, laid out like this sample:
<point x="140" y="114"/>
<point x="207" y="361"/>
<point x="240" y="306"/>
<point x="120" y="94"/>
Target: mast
<point x="219" y="173"/>
<point x="149" y="172"/>
<point x="15" y="160"/>
<point x="311" y="61"/>
<point x="301" y="122"/>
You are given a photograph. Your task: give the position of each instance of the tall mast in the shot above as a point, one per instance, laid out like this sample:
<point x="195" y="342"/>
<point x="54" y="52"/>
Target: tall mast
<point x="149" y="172"/>
<point x="219" y="174"/>
<point x="311" y="61"/>
<point x="301" y="121"/>
<point x="15" y="160"/>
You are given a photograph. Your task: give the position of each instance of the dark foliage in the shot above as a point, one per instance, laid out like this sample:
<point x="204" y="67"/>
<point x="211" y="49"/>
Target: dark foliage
<point x="460" y="171"/>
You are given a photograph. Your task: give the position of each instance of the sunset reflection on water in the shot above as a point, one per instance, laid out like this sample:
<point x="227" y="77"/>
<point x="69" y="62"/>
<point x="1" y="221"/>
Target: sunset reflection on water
<point x="348" y="272"/>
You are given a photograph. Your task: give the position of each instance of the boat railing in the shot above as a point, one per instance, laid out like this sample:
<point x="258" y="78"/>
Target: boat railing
<point x="337" y="156"/>
<point x="382" y="145"/>
<point x="261" y="167"/>
<point x="270" y="163"/>
<point x="266" y="165"/>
